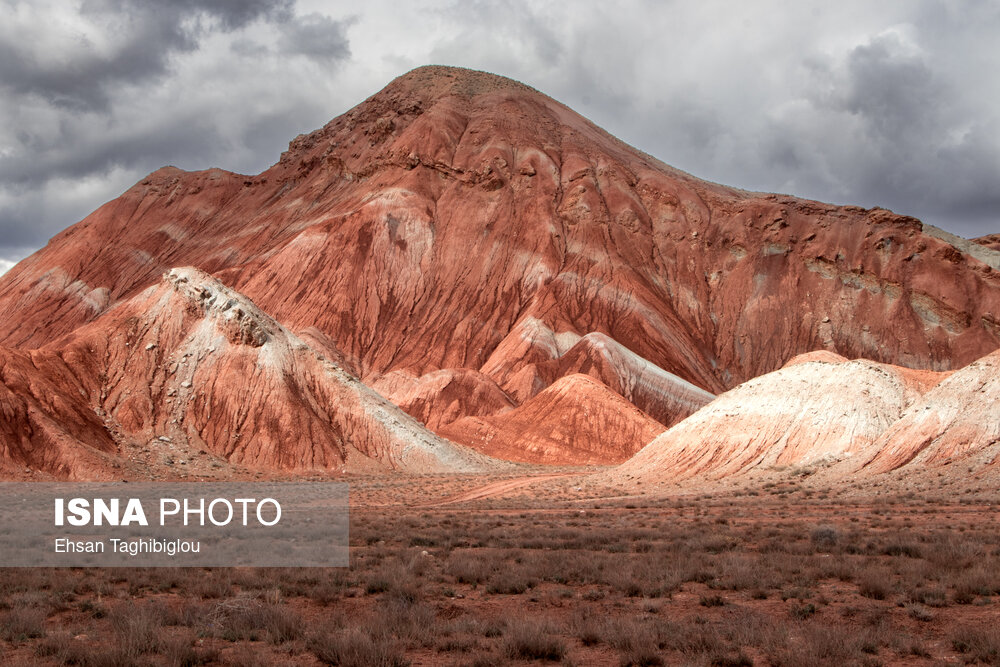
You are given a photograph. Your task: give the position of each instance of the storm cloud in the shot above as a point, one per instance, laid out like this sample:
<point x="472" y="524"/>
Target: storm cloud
<point x="78" y="62"/>
<point x="893" y="104"/>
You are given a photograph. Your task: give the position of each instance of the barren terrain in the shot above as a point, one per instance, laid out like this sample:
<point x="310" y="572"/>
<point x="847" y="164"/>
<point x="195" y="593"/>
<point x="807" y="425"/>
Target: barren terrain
<point x="534" y="567"/>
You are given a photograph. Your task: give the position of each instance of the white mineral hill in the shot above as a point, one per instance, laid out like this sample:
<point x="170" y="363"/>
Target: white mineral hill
<point x="823" y="409"/>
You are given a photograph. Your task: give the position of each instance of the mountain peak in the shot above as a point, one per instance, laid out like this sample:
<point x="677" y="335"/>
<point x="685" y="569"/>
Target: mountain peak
<point x="443" y="80"/>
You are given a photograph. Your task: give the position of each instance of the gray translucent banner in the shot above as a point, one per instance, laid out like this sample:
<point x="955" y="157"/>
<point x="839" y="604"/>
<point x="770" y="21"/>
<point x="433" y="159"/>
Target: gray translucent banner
<point x="182" y="524"/>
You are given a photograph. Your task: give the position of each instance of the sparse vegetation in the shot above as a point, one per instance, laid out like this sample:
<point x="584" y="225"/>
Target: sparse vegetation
<point x="716" y="580"/>
<point x="527" y="640"/>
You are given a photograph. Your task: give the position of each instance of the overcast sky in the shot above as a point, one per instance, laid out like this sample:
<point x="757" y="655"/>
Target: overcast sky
<point x="895" y="104"/>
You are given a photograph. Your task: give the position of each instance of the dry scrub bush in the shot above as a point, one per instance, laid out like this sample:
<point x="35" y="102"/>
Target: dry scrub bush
<point x="978" y="643"/>
<point x="637" y="642"/>
<point x="20" y="623"/>
<point x="408" y="617"/>
<point x="533" y="640"/>
<point x="874" y="584"/>
<point x="137" y="628"/>
<point x="353" y="647"/>
<point x="250" y="618"/>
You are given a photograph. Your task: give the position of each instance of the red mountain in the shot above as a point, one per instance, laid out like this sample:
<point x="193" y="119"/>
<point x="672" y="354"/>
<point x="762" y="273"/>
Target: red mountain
<point x="461" y="242"/>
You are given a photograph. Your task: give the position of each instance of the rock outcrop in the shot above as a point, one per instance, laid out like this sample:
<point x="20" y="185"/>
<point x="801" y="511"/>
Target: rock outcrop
<point x="991" y="241"/>
<point x="441" y="397"/>
<point x="47" y="422"/>
<point x="854" y="419"/>
<point x="819" y="408"/>
<point x="958" y="421"/>
<point x="662" y="395"/>
<point x="197" y="365"/>
<point x="577" y="420"/>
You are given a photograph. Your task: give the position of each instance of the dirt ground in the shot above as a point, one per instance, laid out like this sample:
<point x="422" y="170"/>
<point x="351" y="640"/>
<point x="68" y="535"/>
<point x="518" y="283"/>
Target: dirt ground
<point x="547" y="566"/>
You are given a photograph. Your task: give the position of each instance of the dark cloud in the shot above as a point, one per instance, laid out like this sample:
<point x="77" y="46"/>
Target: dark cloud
<point x="231" y="14"/>
<point x="913" y="143"/>
<point x="316" y="36"/>
<point x="184" y="138"/>
<point x="894" y="91"/>
<point x="15" y="226"/>
<point x="141" y="39"/>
